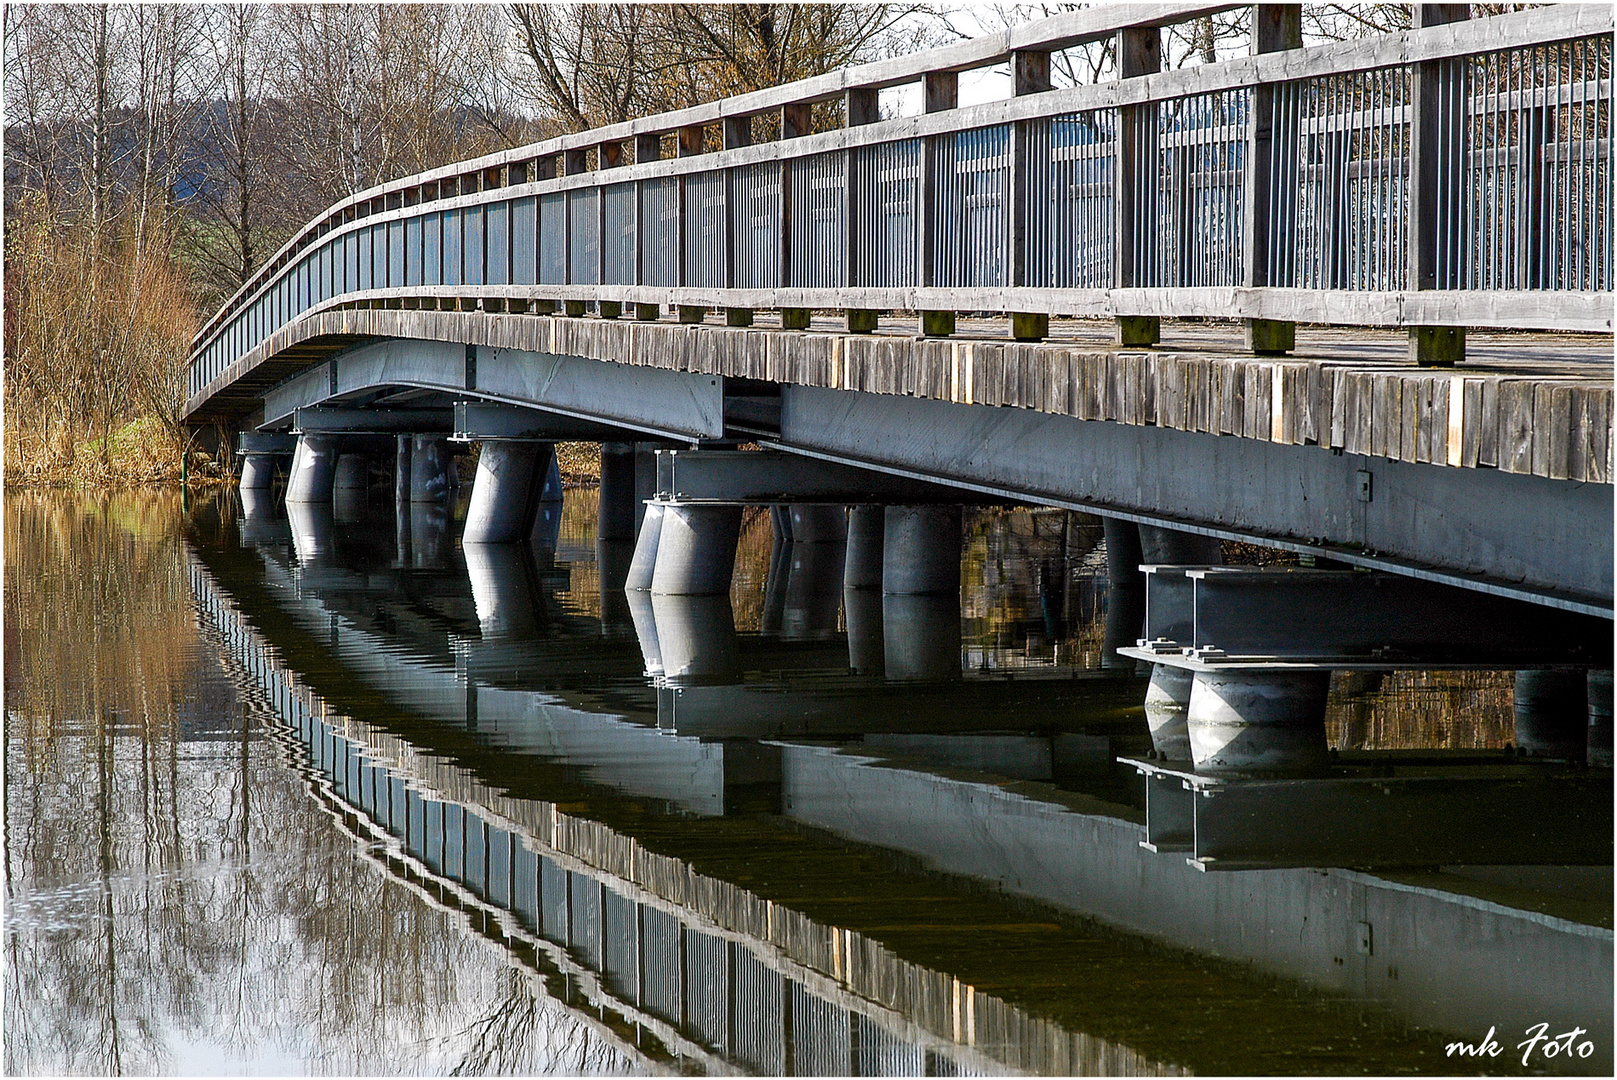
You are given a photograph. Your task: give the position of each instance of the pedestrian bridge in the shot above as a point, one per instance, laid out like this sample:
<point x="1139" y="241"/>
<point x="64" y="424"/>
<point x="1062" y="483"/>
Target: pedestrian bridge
<point x="1352" y="300"/>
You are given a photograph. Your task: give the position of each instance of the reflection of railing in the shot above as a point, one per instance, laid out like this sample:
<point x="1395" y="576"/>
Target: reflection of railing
<point x="1427" y="177"/>
<point x="676" y="962"/>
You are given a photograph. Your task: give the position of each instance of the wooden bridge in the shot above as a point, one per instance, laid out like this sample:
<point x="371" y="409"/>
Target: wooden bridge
<point x="1110" y="296"/>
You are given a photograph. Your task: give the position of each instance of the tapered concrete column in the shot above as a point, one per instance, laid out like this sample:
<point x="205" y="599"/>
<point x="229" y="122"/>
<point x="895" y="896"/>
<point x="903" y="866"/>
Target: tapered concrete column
<point x="644" y="564"/>
<point x="645" y="481"/>
<point x="867" y="648"/>
<point x="616" y="513"/>
<point x="819" y="523"/>
<point x="921" y="636"/>
<point x="1125" y="592"/>
<point x="773" y="615"/>
<point x="353" y="473"/>
<point x="401" y="471"/>
<point x="813" y="592"/>
<point x="1123" y="557"/>
<point x="257" y="472"/>
<point x="1170" y="547"/>
<point x="314" y="467"/>
<point x="430" y="463"/>
<point x="1552" y="713"/>
<point x="1599" y="694"/>
<point x="696" y="639"/>
<point x="314" y="539"/>
<point x="503" y="590"/>
<point x="1268" y="721"/>
<point x="696" y="551"/>
<point x="1167" y="708"/>
<point x="505" y="493"/>
<point x="866" y="529"/>
<point x="921" y="551"/>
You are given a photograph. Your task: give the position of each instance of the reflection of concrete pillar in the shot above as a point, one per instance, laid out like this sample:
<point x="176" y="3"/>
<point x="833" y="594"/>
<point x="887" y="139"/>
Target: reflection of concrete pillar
<point x="696" y="637"/>
<point x="644" y="564"/>
<point x="313" y="537"/>
<point x="696" y="551"/>
<point x="257" y="472"/>
<point x="612" y="560"/>
<point x="503" y="592"/>
<point x="431" y="462"/>
<point x="401" y="471"/>
<point x="615" y="517"/>
<point x="401" y="521"/>
<point x="314" y="467"/>
<point x="921" y="636"/>
<point x="429" y="534"/>
<point x="921" y="552"/>
<point x="813" y="592"/>
<point x="645" y="630"/>
<point x="866" y="528"/>
<point x="1552" y="713"/>
<point x="866" y="647"/>
<point x="505" y="492"/>
<point x="1599" y="693"/>
<point x="1258" y="720"/>
<point x="260" y="524"/>
<point x="819" y="523"/>
<point x="1171" y="547"/>
<point x="1167" y="703"/>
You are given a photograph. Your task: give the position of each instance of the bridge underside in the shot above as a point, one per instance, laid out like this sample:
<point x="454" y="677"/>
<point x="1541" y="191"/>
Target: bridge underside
<point x="1518" y="535"/>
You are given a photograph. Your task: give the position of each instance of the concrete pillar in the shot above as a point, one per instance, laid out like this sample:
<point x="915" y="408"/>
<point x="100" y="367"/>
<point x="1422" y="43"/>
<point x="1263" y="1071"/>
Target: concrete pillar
<point x="401" y="524"/>
<point x="1171" y="547"/>
<point x="921" y="551"/>
<point x="314" y="467"/>
<point x="696" y="639"/>
<point x="921" y="636"/>
<point x="353" y="473"/>
<point x="645" y="480"/>
<point x="505" y="492"/>
<point x="813" y="592"/>
<point x="645" y="630"/>
<point x="615" y="518"/>
<point x="1167" y="707"/>
<point x="1599" y="694"/>
<point x="501" y="575"/>
<point x="696" y="551"/>
<point x="1552" y="713"/>
<point x="257" y="472"/>
<point x="1125" y="592"/>
<point x="431" y="464"/>
<point x="780" y="572"/>
<point x="314" y="538"/>
<point x="644" y="564"/>
<point x="1269" y="721"/>
<point x="401" y="471"/>
<point x="866" y="529"/>
<point x="867" y="648"/>
<point x="819" y="523"/>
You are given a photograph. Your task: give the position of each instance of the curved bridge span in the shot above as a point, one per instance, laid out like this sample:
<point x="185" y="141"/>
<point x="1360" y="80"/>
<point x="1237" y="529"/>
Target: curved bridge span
<point x="993" y="298"/>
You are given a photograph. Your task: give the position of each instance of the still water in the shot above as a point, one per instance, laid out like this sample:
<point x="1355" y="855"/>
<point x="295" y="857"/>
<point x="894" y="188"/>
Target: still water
<point x="291" y="794"/>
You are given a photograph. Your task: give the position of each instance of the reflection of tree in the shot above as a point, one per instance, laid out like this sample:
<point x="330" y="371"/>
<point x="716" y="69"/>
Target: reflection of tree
<point x="172" y="888"/>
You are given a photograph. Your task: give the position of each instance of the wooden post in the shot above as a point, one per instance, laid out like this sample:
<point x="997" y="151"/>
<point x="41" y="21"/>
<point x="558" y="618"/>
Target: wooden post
<point x="796" y="121"/>
<point x="1435" y="134"/>
<point x="737" y="132"/>
<point x="940" y="91"/>
<point x="646" y="148"/>
<point x="1275" y="27"/>
<point x="1139" y="52"/>
<point x="1030" y="74"/>
<point x="860" y="107"/>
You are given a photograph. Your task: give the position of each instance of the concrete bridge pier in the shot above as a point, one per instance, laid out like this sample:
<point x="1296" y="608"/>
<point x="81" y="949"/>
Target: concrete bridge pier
<point x="401" y="470"/>
<point x="696" y="549"/>
<point x="780" y="571"/>
<point x="314" y="468"/>
<point x="505" y="492"/>
<point x="431" y="465"/>
<point x="818" y="523"/>
<point x="866" y="529"/>
<point x="1125" y="593"/>
<point x="643" y="566"/>
<point x="350" y="487"/>
<point x="1268" y="721"/>
<point x="612" y="561"/>
<point x="615" y="519"/>
<point x="921" y="551"/>
<point x="921" y="637"/>
<point x="257" y="472"/>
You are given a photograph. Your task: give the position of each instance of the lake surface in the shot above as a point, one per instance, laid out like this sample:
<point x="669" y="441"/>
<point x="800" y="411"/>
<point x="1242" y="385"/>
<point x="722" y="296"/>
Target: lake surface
<point x="291" y="794"/>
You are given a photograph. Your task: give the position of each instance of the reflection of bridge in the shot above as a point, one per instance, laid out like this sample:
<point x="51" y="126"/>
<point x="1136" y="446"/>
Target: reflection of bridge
<point x="1454" y="177"/>
<point x="1439" y="949"/>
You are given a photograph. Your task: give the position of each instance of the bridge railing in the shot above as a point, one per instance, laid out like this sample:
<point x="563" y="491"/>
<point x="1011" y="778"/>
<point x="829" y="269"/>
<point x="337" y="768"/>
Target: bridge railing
<point x="1450" y="175"/>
